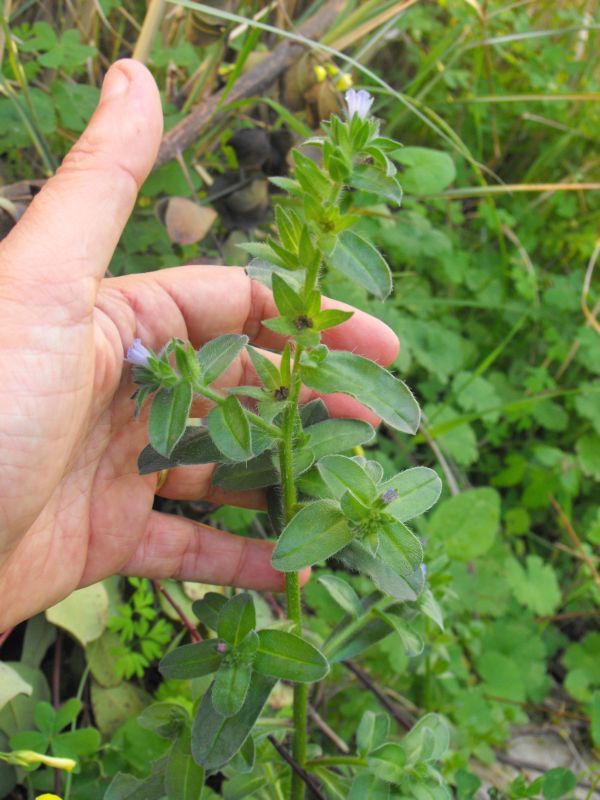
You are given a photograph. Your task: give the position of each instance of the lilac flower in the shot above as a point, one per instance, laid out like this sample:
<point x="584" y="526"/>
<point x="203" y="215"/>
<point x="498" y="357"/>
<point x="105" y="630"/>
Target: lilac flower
<point x="389" y="496"/>
<point x="137" y="354"/>
<point x="359" y="103"/>
<point x="221" y="647"/>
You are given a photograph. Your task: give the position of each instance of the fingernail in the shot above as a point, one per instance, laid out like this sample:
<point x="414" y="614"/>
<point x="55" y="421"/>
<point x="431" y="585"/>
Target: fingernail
<point x="116" y="82"/>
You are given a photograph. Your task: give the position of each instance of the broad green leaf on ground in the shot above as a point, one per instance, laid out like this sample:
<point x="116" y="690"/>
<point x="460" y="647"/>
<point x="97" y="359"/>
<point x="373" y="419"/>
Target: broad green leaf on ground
<point x="236" y="619"/>
<point x="315" y="533"/>
<point x="115" y="705"/>
<point x="588" y="454"/>
<point x="229" y="429"/>
<point x="342" y="593"/>
<point x="558" y="782"/>
<point x="218" y="354"/>
<point x="369" y="383"/>
<point x="425" y="171"/>
<point x="216" y="739"/>
<point x="128" y="787"/>
<point x="358" y="260"/>
<point x="289" y="657"/>
<point x="11" y="684"/>
<point x="194" y="447"/>
<point x="191" y="660"/>
<point x="416" y="491"/>
<point x="168" y="417"/>
<point x="83" y="614"/>
<point x="535" y="585"/>
<point x="468" y="523"/>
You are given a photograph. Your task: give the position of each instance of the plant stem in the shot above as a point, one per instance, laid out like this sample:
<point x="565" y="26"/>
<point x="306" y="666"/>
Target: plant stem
<point x="219" y="399"/>
<point x="334" y="761"/>
<point x="292" y="581"/>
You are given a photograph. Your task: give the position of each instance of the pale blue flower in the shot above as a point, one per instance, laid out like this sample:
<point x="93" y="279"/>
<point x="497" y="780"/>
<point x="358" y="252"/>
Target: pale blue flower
<point x="359" y="103"/>
<point x="389" y="496"/>
<point x="137" y="354"/>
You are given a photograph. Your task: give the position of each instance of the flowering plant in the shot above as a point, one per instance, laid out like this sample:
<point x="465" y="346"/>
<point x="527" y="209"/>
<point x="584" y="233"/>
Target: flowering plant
<point x="326" y="499"/>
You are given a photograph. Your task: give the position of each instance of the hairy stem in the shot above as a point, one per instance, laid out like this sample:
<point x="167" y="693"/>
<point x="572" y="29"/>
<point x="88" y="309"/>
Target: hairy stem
<point x="292" y="582"/>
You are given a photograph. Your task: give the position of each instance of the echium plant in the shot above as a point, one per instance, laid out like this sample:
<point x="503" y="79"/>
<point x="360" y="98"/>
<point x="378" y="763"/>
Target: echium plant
<point x="323" y="501"/>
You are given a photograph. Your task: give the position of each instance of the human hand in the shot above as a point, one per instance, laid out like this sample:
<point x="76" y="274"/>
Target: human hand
<point x="73" y="507"/>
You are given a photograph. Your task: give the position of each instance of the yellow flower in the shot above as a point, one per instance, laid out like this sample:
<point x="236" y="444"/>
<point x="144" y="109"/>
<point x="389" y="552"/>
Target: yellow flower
<point x="29" y="758"/>
<point x="344" y="81"/>
<point x="48" y="797"/>
<point x="320" y="72"/>
<point x="332" y="69"/>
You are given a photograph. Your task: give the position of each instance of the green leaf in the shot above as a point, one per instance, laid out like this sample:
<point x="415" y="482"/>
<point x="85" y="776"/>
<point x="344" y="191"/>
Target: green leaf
<point x="184" y="779"/>
<point x="343" y="474"/>
<point x="229" y="428"/>
<point x="168" y="416"/>
<point x="536" y="586"/>
<point x="402" y="587"/>
<point x="417" y="490"/>
<point x="367" y="178"/>
<point x="588" y="454"/>
<point x="372" y="631"/>
<point x="194" y="447"/>
<point x="399" y="548"/>
<point x="373" y="729"/>
<point x="315" y="533"/>
<point x="558" y="782"/>
<point x="411" y="641"/>
<point x="216" y="739"/>
<point x="83" y="613"/>
<point x="77" y="744"/>
<point x="265" y="369"/>
<point x="289" y="657"/>
<point x="343" y="594"/>
<point x="208" y="609"/>
<point x="428" y="740"/>
<point x="369" y="787"/>
<point x="241" y="787"/>
<point x="330" y="318"/>
<point x="165" y="719"/>
<point x="595" y="721"/>
<point x="468" y="523"/>
<point x="310" y="177"/>
<point x="337" y="435"/>
<point x="369" y="383"/>
<point x="231" y="687"/>
<point x="218" y="354"/>
<point x="191" y="660"/>
<point x="288" y="302"/>
<point x="236" y="619"/>
<point x="127" y="787"/>
<point x="253" y="474"/>
<point x="358" y="260"/>
<point x="11" y="684"/>
<point x="426" y="171"/>
<point x="387" y="762"/>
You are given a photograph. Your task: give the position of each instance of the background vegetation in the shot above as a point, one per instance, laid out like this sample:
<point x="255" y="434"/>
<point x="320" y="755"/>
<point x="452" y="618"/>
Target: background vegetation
<point x="493" y="252"/>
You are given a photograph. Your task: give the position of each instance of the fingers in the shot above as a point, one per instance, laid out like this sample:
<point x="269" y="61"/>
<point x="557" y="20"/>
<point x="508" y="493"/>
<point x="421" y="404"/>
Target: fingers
<point x="174" y="547"/>
<point x="200" y="303"/>
<point x="69" y="233"/>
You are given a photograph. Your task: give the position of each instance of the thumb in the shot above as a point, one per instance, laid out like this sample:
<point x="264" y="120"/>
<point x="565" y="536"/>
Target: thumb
<point x="65" y="240"/>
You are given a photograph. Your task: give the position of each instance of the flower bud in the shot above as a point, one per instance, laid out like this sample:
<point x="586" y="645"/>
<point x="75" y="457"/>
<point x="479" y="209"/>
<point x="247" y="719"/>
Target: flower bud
<point x="29" y="758"/>
<point x="137" y="354"/>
